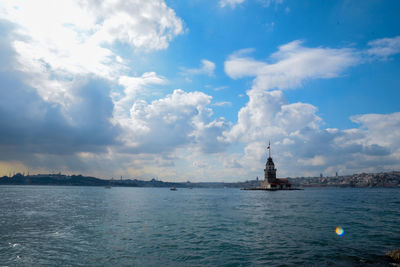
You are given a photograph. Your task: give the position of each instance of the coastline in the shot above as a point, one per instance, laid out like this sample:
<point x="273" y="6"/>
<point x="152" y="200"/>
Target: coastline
<point x="363" y="180"/>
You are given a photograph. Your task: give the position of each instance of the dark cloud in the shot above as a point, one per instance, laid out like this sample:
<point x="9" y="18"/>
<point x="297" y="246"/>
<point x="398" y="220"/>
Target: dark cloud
<point x="29" y="125"/>
<point x="376" y="150"/>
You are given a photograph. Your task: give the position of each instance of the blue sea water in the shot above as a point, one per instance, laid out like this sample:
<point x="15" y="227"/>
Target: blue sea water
<point x="95" y="226"/>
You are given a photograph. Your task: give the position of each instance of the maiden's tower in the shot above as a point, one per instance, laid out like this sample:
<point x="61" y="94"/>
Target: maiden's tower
<point x="270" y="180"/>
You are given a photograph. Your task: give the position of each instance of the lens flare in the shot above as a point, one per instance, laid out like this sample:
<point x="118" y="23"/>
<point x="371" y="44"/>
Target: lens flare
<point x="339" y="231"/>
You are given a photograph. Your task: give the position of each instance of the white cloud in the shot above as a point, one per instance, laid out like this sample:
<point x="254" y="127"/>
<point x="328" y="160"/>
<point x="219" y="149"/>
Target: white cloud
<point x="208" y="135"/>
<point x="300" y="144"/>
<point x="222" y="103"/>
<point x="219" y="88"/>
<point x="234" y="3"/>
<point x="268" y="115"/>
<point x="143" y="24"/>
<point x="165" y="124"/>
<point x="385" y="47"/>
<point x="199" y="164"/>
<point x="133" y="86"/>
<point x="62" y="63"/>
<point x="207" y="68"/>
<point x="292" y="64"/>
<point x="315" y="161"/>
<point x="62" y="52"/>
<point x="67" y="39"/>
<point x="381" y="129"/>
<point x="232" y="163"/>
<point x="267" y="3"/>
<point x="231" y="3"/>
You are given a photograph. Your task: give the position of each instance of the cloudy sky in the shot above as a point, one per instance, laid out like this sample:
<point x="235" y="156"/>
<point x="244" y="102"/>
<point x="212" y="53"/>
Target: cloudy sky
<point x="194" y="90"/>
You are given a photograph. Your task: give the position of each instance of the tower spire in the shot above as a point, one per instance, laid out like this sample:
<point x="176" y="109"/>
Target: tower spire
<point x="269" y="149"/>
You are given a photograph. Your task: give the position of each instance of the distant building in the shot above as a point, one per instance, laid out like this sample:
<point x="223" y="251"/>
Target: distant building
<point x="270" y="180"/>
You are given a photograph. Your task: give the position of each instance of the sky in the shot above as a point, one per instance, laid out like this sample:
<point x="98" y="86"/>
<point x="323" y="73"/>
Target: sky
<point x="195" y="90"/>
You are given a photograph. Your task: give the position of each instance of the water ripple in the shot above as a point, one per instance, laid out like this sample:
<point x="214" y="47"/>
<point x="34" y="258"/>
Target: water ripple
<point x="89" y="226"/>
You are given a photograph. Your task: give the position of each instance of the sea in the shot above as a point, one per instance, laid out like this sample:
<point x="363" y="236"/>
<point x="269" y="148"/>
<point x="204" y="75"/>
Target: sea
<point x="96" y="226"/>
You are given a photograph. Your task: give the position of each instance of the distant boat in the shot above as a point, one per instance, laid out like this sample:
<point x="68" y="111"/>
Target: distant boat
<point x="173" y="189"/>
<point x="108" y="186"/>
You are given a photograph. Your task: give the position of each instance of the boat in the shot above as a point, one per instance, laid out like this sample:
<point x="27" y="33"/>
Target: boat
<point x="173" y="189"/>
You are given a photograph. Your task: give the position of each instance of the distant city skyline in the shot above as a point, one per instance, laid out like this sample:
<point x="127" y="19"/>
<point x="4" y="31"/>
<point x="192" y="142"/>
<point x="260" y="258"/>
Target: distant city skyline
<point x="195" y="90"/>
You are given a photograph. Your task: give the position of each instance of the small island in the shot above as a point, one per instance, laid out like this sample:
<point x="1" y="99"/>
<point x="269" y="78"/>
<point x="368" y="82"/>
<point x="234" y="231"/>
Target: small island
<point x="271" y="183"/>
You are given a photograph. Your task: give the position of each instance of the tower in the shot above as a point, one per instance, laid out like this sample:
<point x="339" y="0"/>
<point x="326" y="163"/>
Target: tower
<point x="269" y="171"/>
<point x="270" y="181"/>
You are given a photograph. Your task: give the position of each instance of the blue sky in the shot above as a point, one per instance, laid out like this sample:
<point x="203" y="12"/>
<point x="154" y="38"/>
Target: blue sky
<point x="194" y="90"/>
